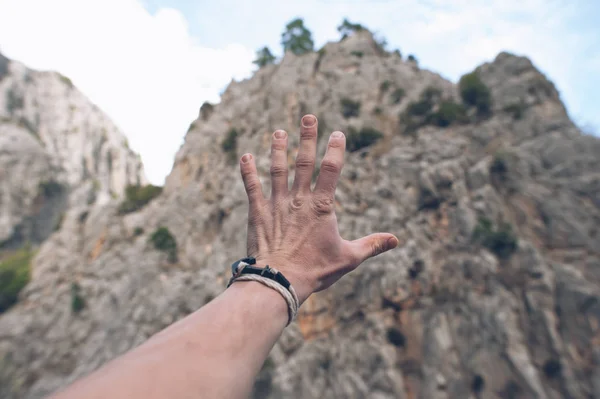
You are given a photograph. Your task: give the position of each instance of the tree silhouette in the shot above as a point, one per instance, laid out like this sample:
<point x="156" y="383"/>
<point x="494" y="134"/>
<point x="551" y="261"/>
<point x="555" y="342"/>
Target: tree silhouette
<point x="264" y="57"/>
<point x="347" y="28"/>
<point x="296" y="38"/>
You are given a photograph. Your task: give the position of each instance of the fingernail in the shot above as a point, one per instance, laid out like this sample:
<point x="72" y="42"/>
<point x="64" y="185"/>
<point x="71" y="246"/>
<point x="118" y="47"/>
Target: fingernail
<point x="337" y="135"/>
<point x="246" y="158"/>
<point x="309" y="121"/>
<point x="280" y="134"/>
<point x="392" y="243"/>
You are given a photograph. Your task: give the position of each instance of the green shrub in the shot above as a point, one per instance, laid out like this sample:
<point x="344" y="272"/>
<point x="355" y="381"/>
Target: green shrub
<point x="77" y="301"/>
<point x="14" y="275"/>
<point x="378" y="111"/>
<point x="136" y="197"/>
<point x="384" y="86"/>
<point x="501" y="241"/>
<point x="475" y="93"/>
<point x="348" y="28"/>
<point x="398" y="53"/>
<point x="230" y="142"/>
<point x="163" y="240"/>
<point x="297" y="38"/>
<point x="358" y="54"/>
<point x="448" y="113"/>
<point x="412" y="58"/>
<point x="350" y="108"/>
<point x="425" y="104"/>
<point x="420" y="113"/>
<point x="419" y="108"/>
<point x="229" y="145"/>
<point x="264" y="57"/>
<point x="138" y="231"/>
<point x="65" y="80"/>
<point x="361" y="139"/>
<point x="398" y="95"/>
<point x="516" y="110"/>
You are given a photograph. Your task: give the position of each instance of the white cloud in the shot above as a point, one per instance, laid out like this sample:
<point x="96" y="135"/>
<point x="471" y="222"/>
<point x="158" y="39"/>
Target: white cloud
<point x="144" y="70"/>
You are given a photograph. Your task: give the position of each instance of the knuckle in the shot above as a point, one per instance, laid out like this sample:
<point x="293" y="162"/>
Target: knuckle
<point x="331" y="166"/>
<point x="296" y="203"/>
<point x="247" y="172"/>
<point x="278" y="170"/>
<point x="308" y="134"/>
<point x="322" y="205"/>
<point x="305" y="162"/>
<point x="278" y="145"/>
<point x="252" y="186"/>
<point x="336" y="143"/>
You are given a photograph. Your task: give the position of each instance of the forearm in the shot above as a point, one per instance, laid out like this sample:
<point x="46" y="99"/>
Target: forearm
<point x="215" y="352"/>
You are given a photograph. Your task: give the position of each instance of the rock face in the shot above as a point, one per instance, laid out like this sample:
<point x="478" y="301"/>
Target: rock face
<point x="493" y="292"/>
<point x="57" y="149"/>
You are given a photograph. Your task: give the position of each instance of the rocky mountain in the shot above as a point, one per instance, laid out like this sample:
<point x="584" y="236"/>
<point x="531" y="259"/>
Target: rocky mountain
<point x="57" y="150"/>
<point x="494" y="291"/>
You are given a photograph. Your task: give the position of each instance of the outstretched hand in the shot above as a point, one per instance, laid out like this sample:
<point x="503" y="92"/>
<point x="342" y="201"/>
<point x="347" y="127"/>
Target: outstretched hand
<point x="296" y="231"/>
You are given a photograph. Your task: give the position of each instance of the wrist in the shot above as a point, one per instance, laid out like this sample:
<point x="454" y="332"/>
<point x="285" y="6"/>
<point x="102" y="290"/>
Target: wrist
<point x="260" y="298"/>
<point x="302" y="286"/>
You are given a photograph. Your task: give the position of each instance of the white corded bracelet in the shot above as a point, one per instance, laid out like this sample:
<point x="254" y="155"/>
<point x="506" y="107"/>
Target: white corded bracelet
<point x="289" y="294"/>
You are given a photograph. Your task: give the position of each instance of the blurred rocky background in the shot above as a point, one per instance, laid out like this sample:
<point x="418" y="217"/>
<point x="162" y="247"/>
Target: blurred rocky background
<point x="494" y="193"/>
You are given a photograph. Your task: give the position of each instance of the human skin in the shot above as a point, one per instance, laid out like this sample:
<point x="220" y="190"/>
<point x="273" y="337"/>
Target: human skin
<point x="217" y="351"/>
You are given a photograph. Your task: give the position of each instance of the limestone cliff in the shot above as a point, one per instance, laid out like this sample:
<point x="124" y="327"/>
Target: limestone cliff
<point x="494" y="194"/>
<point x="56" y="149"/>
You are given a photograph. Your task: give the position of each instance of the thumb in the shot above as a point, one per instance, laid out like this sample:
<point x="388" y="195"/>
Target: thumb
<point x="372" y="245"/>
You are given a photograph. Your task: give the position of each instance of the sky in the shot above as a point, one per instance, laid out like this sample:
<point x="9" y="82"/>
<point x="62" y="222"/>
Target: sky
<point x="150" y="64"/>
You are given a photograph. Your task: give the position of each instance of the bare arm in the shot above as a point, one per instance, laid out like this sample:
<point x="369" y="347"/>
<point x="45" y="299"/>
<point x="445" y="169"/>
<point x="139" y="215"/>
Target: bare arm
<point x="213" y="353"/>
<point x="218" y="350"/>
